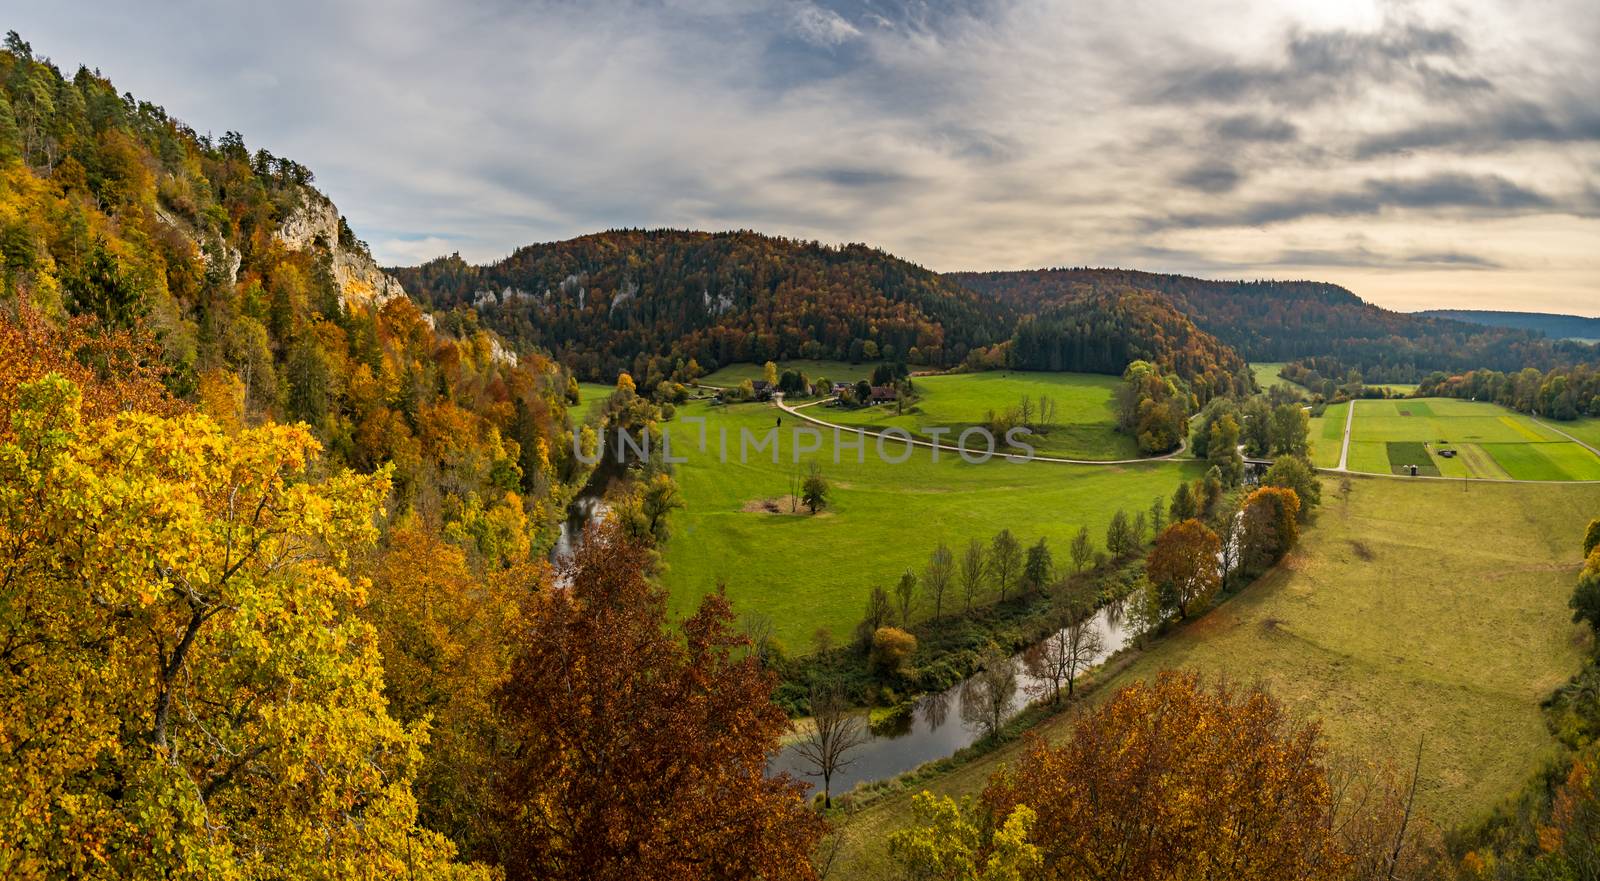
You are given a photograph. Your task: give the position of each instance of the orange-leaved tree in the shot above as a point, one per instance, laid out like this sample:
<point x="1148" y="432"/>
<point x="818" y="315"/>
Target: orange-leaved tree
<point x="1171" y="780"/>
<point x="1270" y="526"/>
<point x="1183" y="565"/>
<point x="640" y="752"/>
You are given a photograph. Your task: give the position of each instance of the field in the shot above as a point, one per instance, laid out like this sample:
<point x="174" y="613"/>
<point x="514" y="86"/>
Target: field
<point x="1488" y="442"/>
<point x="833" y="371"/>
<point x="1267" y="376"/>
<point x="1327" y="436"/>
<point x="1084" y="426"/>
<point x="806" y="572"/>
<point x="591" y="396"/>
<point x="1395" y="620"/>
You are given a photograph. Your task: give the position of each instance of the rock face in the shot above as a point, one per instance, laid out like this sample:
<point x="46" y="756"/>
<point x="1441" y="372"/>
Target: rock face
<point x="315" y="224"/>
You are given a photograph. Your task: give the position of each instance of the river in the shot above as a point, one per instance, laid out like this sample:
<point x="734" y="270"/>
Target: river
<point x="936" y="729"/>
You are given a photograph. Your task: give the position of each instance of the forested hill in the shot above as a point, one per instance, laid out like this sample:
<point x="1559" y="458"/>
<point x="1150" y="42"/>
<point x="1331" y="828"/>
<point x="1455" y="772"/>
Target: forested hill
<point x="1287" y="320"/>
<point x="1102" y="332"/>
<point x="642" y="300"/>
<point x="259" y="303"/>
<point x="1556" y="327"/>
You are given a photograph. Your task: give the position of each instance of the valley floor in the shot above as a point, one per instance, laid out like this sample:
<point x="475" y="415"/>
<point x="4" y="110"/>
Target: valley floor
<point x="1397" y="619"/>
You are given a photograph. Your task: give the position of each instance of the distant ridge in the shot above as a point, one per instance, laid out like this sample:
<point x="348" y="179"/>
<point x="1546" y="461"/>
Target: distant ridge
<point x="1558" y="327"/>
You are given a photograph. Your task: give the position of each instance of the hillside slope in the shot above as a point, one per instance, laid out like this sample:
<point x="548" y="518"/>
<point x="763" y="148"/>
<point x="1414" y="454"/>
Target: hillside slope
<point x="261" y="303"/>
<point x="1556" y="327"/>
<point x="1286" y="320"/>
<point x="618" y="300"/>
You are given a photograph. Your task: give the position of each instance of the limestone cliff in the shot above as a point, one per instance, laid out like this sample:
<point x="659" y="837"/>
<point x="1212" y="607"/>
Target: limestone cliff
<point x="316" y="224"/>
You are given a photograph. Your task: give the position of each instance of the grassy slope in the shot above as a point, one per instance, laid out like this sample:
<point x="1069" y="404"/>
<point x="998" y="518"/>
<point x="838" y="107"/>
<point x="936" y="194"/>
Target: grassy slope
<point x="1394" y="620"/>
<point x="1266" y="374"/>
<point x="1327" y="436"/>
<point x="1085" y="422"/>
<point x="805" y="572"/>
<point x="833" y="371"/>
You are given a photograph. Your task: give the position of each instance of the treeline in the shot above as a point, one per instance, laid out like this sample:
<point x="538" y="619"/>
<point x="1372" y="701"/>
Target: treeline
<point x="260" y="306"/>
<point x="646" y="300"/>
<point x="1288" y="320"/>
<point x="1562" y="393"/>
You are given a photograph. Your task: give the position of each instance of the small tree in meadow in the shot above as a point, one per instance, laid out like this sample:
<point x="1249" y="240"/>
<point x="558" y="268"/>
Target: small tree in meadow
<point x="973" y="568"/>
<point x="905" y="592"/>
<point x="1037" y="571"/>
<point x="1005" y="560"/>
<point x="1082" y="550"/>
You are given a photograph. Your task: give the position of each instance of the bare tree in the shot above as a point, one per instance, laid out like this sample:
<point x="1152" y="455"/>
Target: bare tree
<point x="1063" y="655"/>
<point x="937" y="576"/>
<point x="972" y="572"/>
<point x="1082" y="549"/>
<point x="1005" y="559"/>
<point x="987" y="695"/>
<point x="758" y="627"/>
<point x="1025" y="411"/>
<point x="835" y="731"/>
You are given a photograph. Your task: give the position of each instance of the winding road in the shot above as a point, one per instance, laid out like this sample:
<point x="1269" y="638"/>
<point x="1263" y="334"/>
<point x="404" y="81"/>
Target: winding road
<point x="1341" y="468"/>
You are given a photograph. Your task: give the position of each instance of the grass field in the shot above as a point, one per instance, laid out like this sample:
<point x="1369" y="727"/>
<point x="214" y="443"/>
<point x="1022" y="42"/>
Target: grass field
<point x="1084" y="427"/>
<point x="1489" y="442"/>
<point x="1267" y="376"/>
<point x="1394" y="620"/>
<point x="806" y="572"/>
<point x="1327" y="436"/>
<point x="591" y="397"/>
<point x="833" y="371"/>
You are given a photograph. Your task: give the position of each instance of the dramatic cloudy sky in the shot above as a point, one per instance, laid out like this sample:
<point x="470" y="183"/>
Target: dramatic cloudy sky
<point x="1423" y="154"/>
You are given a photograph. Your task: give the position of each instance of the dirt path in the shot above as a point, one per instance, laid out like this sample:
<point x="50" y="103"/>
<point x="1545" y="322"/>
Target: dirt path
<point x="1344" y="451"/>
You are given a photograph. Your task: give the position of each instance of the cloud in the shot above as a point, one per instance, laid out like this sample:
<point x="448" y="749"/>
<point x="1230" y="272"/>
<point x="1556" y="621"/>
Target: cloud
<point x="1324" y="64"/>
<point x="823" y="27"/>
<point x="1504" y="126"/>
<point x="1192" y="135"/>
<point x="1211" y="177"/>
<point x="1487" y="194"/>
<point x="1251" y="127"/>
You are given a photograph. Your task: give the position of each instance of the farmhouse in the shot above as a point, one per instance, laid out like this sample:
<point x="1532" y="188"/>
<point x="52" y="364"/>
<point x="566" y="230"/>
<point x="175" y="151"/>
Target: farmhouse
<point x="881" y="393"/>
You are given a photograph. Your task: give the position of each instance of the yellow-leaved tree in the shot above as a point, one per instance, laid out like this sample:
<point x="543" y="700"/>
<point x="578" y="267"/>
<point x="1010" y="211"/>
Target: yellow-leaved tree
<point x="188" y="690"/>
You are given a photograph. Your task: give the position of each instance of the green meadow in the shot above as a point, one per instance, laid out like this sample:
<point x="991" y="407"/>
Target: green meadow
<point x="591" y="397"/>
<point x="1266" y="374"/>
<point x="1393" y="623"/>
<point x="1327" y="436"/>
<point x="1084" y="425"/>
<point x="806" y="572"/>
<point x="1488" y="441"/>
<point x="833" y="371"/>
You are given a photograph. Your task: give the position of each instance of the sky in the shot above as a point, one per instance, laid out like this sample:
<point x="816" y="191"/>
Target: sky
<point x="1423" y="154"/>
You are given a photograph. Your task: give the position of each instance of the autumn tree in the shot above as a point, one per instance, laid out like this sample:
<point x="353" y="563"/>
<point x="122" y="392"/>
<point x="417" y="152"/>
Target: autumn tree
<point x="602" y="696"/>
<point x="188" y="686"/>
<point x="973" y="568"/>
<point x="1171" y="780"/>
<point x="987" y="696"/>
<point x="814" y="491"/>
<point x="1005" y="560"/>
<point x="1585" y="602"/>
<point x="836" y="731"/>
<point x="444" y="633"/>
<point x="1183" y="504"/>
<point x="936" y="576"/>
<point x="1291" y="430"/>
<point x="1295" y="472"/>
<point x="1183" y="564"/>
<point x="1039" y="568"/>
<point x="1120" y="540"/>
<point x="1082" y="549"/>
<point x="948" y="841"/>
<point x="1591" y="538"/>
<point x="1223" y="450"/>
<point x="892" y="650"/>
<point x="1269" y="527"/>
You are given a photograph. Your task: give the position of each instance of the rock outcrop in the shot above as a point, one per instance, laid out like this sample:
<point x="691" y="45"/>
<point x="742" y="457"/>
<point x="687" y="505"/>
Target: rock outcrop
<point x="316" y="224"/>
